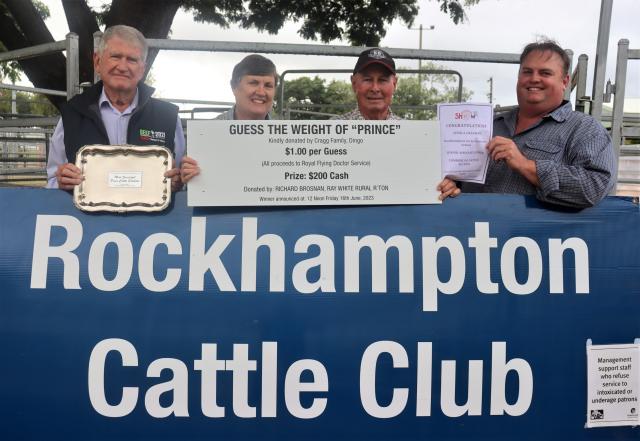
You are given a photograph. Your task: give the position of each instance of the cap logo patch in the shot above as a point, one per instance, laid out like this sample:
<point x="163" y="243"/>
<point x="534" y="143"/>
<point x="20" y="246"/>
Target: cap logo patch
<point x="377" y="54"/>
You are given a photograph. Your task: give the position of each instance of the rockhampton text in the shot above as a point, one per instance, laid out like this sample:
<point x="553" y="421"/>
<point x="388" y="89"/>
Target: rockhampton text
<point x="207" y="257"/>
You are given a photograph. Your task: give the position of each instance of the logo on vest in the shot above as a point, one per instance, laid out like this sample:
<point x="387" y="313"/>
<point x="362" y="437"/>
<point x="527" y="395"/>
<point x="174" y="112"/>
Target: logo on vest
<point x="147" y="135"/>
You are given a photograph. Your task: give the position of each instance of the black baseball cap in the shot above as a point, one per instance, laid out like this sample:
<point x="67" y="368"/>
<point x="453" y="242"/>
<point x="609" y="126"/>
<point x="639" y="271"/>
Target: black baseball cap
<point x="375" y="56"/>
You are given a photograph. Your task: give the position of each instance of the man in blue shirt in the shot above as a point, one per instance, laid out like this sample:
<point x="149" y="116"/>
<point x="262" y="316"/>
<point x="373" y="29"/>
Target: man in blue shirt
<point x="543" y="147"/>
<point x="117" y="110"/>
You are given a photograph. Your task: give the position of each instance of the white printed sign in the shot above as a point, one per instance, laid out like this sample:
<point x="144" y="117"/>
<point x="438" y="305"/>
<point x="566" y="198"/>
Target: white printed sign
<point x="465" y="130"/>
<point x="248" y="163"/>
<point x="612" y="389"/>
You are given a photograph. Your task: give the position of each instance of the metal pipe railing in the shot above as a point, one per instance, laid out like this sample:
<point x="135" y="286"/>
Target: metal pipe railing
<point x="579" y="83"/>
<point x="600" y="67"/>
<point x="33" y="51"/>
<point x="33" y="89"/>
<point x="30" y="122"/>
<point x="618" y="100"/>
<point x="70" y="45"/>
<point x="328" y="50"/>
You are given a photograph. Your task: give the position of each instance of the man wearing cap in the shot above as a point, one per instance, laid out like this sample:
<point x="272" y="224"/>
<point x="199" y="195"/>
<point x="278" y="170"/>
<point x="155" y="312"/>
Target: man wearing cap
<point x="374" y="82"/>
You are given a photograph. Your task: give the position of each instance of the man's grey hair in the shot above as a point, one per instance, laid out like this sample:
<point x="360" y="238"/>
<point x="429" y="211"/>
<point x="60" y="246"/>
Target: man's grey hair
<point x="126" y="33"/>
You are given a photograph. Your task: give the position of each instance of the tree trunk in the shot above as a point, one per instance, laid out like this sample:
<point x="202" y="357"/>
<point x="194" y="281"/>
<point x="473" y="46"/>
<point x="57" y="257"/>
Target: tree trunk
<point x="82" y="21"/>
<point x="152" y="18"/>
<point x="29" y="29"/>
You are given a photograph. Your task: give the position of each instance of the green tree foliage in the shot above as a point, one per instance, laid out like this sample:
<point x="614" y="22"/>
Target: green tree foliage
<point x="339" y="92"/>
<point x="9" y="70"/>
<point x="415" y="97"/>
<point x="455" y="8"/>
<point x="306" y="94"/>
<point x="360" y="22"/>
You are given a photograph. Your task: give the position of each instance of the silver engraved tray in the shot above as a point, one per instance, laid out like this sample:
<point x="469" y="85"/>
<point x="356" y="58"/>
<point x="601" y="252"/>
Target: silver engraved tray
<point x="122" y="178"/>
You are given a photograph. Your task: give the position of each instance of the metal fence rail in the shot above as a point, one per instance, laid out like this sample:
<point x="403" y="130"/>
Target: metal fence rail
<point x="578" y="76"/>
<point x="624" y="56"/>
<point x="341" y="51"/>
<point x="624" y="128"/>
<point x="10" y="128"/>
<point x="579" y="82"/>
<point x="328" y="50"/>
<point x="69" y="45"/>
<point x="33" y="89"/>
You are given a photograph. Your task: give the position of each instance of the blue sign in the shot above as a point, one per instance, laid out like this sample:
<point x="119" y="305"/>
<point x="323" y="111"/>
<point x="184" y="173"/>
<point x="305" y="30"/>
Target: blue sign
<point x="462" y="321"/>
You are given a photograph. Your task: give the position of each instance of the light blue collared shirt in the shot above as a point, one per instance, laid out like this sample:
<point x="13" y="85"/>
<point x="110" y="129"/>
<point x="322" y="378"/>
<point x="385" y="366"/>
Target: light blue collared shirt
<point x="116" y="123"/>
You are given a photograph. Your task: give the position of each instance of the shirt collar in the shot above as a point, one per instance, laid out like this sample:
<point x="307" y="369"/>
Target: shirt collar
<point x="509" y="119"/>
<point x="390" y="114"/>
<point x="559" y="114"/>
<point x="562" y="112"/>
<point x="104" y="100"/>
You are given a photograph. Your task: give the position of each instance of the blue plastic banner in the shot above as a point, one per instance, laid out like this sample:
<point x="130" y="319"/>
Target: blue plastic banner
<point x="462" y="321"/>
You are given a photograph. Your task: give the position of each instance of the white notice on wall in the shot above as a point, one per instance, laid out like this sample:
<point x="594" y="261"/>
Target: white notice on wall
<point x="612" y="385"/>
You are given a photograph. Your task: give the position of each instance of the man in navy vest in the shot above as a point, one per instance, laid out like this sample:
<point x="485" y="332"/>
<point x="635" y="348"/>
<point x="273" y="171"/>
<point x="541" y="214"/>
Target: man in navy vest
<point x="116" y="110"/>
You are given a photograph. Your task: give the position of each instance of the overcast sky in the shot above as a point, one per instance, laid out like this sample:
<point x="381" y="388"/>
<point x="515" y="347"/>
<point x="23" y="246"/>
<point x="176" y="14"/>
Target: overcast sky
<point x="492" y="26"/>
